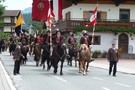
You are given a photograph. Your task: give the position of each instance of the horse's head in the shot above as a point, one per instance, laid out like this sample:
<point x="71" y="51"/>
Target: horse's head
<point x="84" y="50"/>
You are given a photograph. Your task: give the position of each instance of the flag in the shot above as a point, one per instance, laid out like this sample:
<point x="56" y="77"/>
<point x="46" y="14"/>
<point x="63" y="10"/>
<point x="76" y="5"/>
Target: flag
<point x="50" y="16"/>
<point x="57" y="9"/>
<point x="93" y="18"/>
<point x="20" y="20"/>
<point x="39" y="10"/>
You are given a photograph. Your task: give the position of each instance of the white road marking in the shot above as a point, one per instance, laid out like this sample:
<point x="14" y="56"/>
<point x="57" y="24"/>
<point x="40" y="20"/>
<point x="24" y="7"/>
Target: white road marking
<point x="105" y="88"/>
<point x="121" y="84"/>
<point x="97" y="78"/>
<point x="61" y="79"/>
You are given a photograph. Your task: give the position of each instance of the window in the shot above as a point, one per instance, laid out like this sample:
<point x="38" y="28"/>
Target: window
<point x="97" y="40"/>
<point x="100" y="15"/>
<point x="68" y="15"/>
<point x="124" y="15"/>
<point x="12" y="20"/>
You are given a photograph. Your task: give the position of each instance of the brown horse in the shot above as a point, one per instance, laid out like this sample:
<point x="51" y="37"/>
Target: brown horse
<point x="37" y="53"/>
<point x="84" y="58"/>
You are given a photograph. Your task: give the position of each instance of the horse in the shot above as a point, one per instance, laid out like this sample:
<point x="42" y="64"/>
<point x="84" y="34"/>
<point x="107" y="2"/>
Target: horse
<point x="73" y="52"/>
<point x="84" y="58"/>
<point x="46" y="56"/>
<point x="12" y="48"/>
<point x="58" y="55"/>
<point x="37" y="53"/>
<point x="24" y="51"/>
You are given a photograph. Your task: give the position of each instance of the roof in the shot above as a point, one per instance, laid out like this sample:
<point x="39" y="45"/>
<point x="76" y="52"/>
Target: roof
<point x="11" y="13"/>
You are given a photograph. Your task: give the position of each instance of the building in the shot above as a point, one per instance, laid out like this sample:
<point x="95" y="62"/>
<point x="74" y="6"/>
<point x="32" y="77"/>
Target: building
<point x="9" y="17"/>
<point x="111" y="13"/>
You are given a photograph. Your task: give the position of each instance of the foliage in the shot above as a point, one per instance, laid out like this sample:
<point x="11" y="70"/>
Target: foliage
<point x="2" y="8"/>
<point x="5" y="35"/>
<point x="106" y="29"/>
<point x="96" y="53"/>
<point x="104" y="54"/>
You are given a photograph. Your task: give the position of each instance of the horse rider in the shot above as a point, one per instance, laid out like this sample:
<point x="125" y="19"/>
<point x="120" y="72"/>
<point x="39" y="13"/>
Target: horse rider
<point x="59" y="38"/>
<point x="24" y="39"/>
<point x="12" y="39"/>
<point x="85" y="39"/>
<point x="72" y="39"/>
<point x="38" y="39"/>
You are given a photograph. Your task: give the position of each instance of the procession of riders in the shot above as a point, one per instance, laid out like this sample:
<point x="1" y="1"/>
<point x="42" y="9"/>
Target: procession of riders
<point x="30" y="41"/>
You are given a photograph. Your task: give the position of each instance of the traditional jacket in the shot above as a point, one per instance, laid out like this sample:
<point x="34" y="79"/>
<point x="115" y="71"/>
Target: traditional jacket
<point x="84" y="40"/>
<point x="38" y="40"/>
<point x="112" y="54"/>
<point x="17" y="53"/>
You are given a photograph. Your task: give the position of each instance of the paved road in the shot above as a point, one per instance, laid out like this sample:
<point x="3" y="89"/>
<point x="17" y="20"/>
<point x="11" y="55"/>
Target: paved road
<point x="34" y="78"/>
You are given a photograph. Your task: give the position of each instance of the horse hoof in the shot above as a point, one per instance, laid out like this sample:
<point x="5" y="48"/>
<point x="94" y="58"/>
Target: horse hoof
<point x="61" y="73"/>
<point x="55" y="71"/>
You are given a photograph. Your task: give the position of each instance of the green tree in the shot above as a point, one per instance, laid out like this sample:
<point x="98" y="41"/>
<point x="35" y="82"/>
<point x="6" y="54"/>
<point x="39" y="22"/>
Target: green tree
<point x="2" y="8"/>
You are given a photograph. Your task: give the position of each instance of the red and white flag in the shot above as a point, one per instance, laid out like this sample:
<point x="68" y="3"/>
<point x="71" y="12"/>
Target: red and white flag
<point x="57" y="9"/>
<point x="50" y="16"/>
<point x="93" y="18"/>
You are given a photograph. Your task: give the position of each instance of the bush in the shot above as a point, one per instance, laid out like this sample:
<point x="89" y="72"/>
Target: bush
<point x="96" y="53"/>
<point x="104" y="55"/>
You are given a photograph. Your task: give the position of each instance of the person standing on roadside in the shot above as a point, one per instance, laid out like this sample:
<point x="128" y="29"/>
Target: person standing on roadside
<point x="113" y="59"/>
<point x="16" y="57"/>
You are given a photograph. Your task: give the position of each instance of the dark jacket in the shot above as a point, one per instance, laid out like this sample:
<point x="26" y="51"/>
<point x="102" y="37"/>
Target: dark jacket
<point x="112" y="55"/>
<point x="82" y="41"/>
<point x="17" y="53"/>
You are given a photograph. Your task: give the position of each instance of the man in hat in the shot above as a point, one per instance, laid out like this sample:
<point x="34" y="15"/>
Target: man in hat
<point x="113" y="59"/>
<point x="85" y="39"/>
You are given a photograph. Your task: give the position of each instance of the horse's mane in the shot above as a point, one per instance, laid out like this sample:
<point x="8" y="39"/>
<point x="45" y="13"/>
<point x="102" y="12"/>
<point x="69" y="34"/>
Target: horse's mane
<point x="87" y="48"/>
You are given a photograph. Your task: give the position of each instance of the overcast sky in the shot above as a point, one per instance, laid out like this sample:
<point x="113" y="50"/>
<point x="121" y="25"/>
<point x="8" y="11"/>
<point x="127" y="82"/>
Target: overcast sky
<point x="17" y="4"/>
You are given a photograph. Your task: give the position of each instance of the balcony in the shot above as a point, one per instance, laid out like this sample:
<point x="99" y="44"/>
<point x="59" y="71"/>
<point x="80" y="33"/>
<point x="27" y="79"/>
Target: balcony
<point x="69" y="25"/>
<point x="7" y="24"/>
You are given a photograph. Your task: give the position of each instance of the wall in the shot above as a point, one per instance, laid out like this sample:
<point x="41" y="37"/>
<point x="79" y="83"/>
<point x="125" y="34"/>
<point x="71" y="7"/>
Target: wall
<point x="111" y="9"/>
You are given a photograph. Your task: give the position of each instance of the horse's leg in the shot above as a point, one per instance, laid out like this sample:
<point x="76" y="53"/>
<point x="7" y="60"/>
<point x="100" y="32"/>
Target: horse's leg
<point x="79" y="66"/>
<point x="61" y="67"/>
<point x="87" y="67"/>
<point x="43" y="62"/>
<point x="84" y="67"/>
<point x="48" y="64"/>
<point x="55" y="67"/>
<point x="75" y="62"/>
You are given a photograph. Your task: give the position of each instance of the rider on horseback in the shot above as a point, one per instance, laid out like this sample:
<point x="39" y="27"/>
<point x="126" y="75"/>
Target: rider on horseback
<point x="85" y="38"/>
<point x="23" y="40"/>
<point x="38" y="39"/>
<point x="72" y="40"/>
<point x="59" y="38"/>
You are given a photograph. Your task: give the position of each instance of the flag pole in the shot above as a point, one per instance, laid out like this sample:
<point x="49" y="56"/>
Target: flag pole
<point x="95" y="17"/>
<point x="51" y="49"/>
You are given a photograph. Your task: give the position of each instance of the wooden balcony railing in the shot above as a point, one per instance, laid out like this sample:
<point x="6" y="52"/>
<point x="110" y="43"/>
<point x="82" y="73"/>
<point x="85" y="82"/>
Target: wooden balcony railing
<point x="7" y="24"/>
<point x="69" y="25"/>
